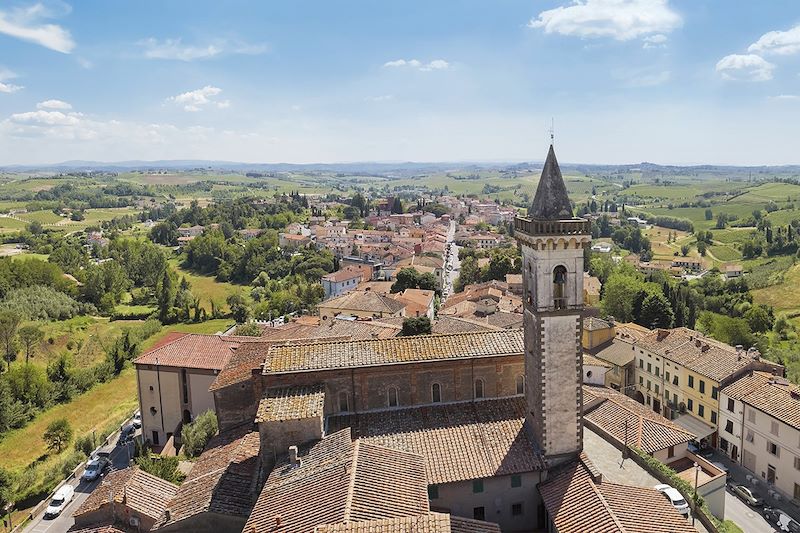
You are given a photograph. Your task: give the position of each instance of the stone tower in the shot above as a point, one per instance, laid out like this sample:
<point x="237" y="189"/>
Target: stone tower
<point x="552" y="243"/>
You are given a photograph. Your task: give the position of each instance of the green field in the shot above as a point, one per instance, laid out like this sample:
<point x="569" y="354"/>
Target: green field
<point x="207" y="288"/>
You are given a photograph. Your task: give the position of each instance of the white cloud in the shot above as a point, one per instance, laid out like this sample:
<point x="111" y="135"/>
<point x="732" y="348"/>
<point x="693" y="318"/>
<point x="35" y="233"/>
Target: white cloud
<point x="8" y="88"/>
<point x="436" y="64"/>
<point x="658" y="40"/>
<point x="745" y="67"/>
<point x="176" y="50"/>
<point x="650" y="79"/>
<point x="200" y="99"/>
<point x="26" y="24"/>
<point x="380" y="98"/>
<point x="622" y="20"/>
<point x="53" y="104"/>
<point x="785" y="97"/>
<point x="777" y="42"/>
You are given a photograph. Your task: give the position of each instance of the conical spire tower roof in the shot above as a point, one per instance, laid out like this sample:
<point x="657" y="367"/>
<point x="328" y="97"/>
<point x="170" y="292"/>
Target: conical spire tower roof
<point x="551" y="201"/>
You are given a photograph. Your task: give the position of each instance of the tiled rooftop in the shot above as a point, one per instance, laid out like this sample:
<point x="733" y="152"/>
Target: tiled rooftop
<point x="578" y="501"/>
<point x="617" y="352"/>
<point x="646" y="429"/>
<point x="424" y="523"/>
<point x="397" y="350"/>
<point x="221" y="481"/>
<point x="595" y="361"/>
<point x="370" y="302"/>
<point x="459" y="441"/>
<point x="774" y="396"/>
<point x="208" y="352"/>
<point x="142" y="492"/>
<point x="340" y="480"/>
<point x="291" y="403"/>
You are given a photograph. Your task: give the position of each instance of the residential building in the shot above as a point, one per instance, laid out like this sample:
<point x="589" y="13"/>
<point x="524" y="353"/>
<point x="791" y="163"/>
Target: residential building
<point x="291" y="241"/>
<point x="688" y="263"/>
<point x="418" y="302"/>
<point x="361" y="304"/>
<point x="760" y="429"/>
<point x="594" y="370"/>
<point x="344" y="280"/>
<point x="733" y="271"/>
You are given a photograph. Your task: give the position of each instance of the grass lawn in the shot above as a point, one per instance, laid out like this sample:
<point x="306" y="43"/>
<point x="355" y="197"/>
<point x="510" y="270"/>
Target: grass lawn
<point x="784" y="296"/>
<point x="93" y="410"/>
<point x="43" y="216"/>
<point x="208" y="327"/>
<point x="207" y="288"/>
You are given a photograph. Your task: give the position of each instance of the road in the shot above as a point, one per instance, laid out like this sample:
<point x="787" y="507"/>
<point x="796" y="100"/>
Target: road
<point x="747" y="518"/>
<point x="119" y="460"/>
<point x="451" y="263"/>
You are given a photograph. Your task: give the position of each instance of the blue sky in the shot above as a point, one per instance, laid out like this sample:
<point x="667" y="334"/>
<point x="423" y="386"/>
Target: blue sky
<point x="666" y="81"/>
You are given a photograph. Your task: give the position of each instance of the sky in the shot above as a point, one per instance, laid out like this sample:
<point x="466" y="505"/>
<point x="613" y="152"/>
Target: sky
<point x="621" y="81"/>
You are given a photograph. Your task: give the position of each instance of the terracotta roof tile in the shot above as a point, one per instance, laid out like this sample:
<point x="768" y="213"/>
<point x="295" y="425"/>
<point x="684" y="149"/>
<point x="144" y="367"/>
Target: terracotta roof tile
<point x="397" y="350"/>
<point x="459" y="441"/>
<point x="366" y="301"/>
<point x="591" y="360"/>
<point x="774" y="396"/>
<point x="209" y="352"/>
<point x="142" y="492"/>
<point x="291" y="403"/>
<point x="340" y="480"/>
<point x="424" y="523"/>
<point x="221" y="481"/>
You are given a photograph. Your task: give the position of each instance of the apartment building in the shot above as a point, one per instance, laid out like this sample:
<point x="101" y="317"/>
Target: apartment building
<point x="679" y="373"/>
<point x="760" y="429"/>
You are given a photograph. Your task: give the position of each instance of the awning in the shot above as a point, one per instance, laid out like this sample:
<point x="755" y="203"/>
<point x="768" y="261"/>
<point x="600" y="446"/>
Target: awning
<point x="698" y="428"/>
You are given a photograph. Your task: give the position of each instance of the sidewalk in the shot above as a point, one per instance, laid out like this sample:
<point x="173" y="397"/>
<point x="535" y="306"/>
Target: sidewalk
<point x="738" y="475"/>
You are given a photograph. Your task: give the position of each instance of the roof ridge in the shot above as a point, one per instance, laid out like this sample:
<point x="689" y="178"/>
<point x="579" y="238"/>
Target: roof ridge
<point x="348" y="505"/>
<point x="596" y="488"/>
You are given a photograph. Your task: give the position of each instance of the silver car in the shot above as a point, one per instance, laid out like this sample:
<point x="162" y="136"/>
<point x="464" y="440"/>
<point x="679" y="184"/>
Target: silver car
<point x="748" y="496"/>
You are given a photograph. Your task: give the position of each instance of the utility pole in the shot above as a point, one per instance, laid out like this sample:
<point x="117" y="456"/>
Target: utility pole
<point x="625" y="450"/>
<point x="696" y="475"/>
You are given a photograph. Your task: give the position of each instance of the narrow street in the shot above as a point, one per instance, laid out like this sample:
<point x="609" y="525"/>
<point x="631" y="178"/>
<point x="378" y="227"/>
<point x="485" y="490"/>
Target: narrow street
<point x="451" y="262"/>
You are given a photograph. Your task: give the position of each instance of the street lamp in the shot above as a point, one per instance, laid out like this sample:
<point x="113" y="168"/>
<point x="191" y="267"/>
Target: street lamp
<point x="696" y="475"/>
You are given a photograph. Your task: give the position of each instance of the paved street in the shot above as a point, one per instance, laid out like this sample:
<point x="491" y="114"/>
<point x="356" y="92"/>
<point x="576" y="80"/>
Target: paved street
<point x="119" y="459"/>
<point x="451" y="263"/>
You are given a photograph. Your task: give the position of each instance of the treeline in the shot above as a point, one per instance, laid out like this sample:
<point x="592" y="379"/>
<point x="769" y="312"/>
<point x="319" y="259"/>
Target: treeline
<point x="502" y="261"/>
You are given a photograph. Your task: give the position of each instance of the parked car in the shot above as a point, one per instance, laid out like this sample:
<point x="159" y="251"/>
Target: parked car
<point x="60" y="500"/>
<point x="674" y="497"/>
<point x="136" y="421"/>
<point x="126" y="433"/>
<point x="748" y="496"/>
<point x="783" y="520"/>
<point x="96" y="467"/>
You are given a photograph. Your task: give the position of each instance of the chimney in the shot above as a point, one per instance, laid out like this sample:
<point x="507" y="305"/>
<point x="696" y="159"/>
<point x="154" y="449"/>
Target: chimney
<point x="705" y="348"/>
<point x="662" y="334"/>
<point x="166" y="514"/>
<point x="293" y="459"/>
<point x="278" y="520"/>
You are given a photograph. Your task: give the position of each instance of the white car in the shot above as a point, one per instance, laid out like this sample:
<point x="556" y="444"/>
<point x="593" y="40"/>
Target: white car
<point x="137" y="420"/>
<point x="674" y="497"/>
<point x="60" y="500"/>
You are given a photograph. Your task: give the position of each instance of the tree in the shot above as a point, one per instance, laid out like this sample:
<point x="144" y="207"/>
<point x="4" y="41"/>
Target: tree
<point x="709" y="214"/>
<point x="9" y="324"/>
<point x="416" y="326"/>
<point x="164" y="467"/>
<point x="758" y="318"/>
<point x="58" y="435"/>
<point x="239" y="308"/>
<point x="30" y="335"/>
<point x="656" y="312"/>
<point x="701" y="248"/>
<point x="397" y="206"/>
<point x="6" y="488"/>
<point x="250" y="329"/>
<point x="166" y="297"/>
<point x="196" y="435"/>
<point x="410" y="278"/>
<point x="685" y="250"/>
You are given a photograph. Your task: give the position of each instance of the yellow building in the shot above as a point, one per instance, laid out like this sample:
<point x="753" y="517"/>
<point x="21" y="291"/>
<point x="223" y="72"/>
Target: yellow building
<point x="679" y="373"/>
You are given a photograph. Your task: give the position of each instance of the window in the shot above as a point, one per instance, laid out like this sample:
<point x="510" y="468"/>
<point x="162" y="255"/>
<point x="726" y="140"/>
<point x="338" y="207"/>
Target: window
<point x="520" y="384"/>
<point x="516" y="481"/>
<point x="729" y="427"/>
<point x="675" y="379"/>
<point x="751" y="416"/>
<point x="702" y="387"/>
<point x="713" y="417"/>
<point x="344" y="404"/>
<point x="797" y="463"/>
<point x="656" y="388"/>
<point x="749" y="437"/>
<point x="690" y="404"/>
<point x="649" y="368"/>
<point x="730" y="404"/>
<point x="691" y="382"/>
<point x="477" y="486"/>
<point x="516" y="509"/>
<point x="436" y="393"/>
<point x="701" y="410"/>
<point x="658" y="370"/>
<point x="773" y="449"/>
<point x="796" y="492"/>
<point x="641" y="363"/>
<point x="391" y="397"/>
<point x="641" y="380"/>
<point x="648" y="399"/>
<point x="714" y="393"/>
<point x="670" y="452"/>
<point x="675" y="399"/>
<point x="185" y="384"/>
<point x="433" y="492"/>
<point x="559" y="287"/>
<point x="774" y="428"/>
<point x="478" y="513"/>
<point x="667" y="377"/>
<point x="649" y="385"/>
<point x="723" y="445"/>
<point x="479" y="388"/>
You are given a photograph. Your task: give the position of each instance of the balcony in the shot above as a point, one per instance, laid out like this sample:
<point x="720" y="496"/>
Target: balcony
<point x="573" y="226"/>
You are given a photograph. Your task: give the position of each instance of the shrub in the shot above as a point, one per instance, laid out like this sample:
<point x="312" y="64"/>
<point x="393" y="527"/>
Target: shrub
<point x="164" y="467"/>
<point x="86" y="444"/>
<point x="40" y="302"/>
<point x="57" y="435"/>
<point x="250" y="329"/>
<point x="196" y="435"/>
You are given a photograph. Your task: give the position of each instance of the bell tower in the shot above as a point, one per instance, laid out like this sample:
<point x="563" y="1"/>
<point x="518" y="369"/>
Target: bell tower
<point x="552" y="241"/>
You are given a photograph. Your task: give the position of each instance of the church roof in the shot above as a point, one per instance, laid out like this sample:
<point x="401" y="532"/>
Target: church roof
<point x="551" y="201"/>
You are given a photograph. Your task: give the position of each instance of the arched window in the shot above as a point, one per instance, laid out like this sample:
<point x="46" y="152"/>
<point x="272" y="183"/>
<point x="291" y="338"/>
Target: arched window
<point x="344" y="403"/>
<point x="520" y="384"/>
<point x="559" y="287"/>
<point x="391" y="397"/>
<point x="479" y="393"/>
<point x="436" y="393"/>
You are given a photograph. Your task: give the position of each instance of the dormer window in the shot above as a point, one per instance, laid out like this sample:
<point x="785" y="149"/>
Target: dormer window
<point x="559" y="287"/>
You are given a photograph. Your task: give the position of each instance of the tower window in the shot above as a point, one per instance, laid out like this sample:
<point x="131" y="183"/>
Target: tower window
<point x="391" y="397"/>
<point x="559" y="287"/>
<point x="479" y="388"/>
<point x="436" y="393"/>
<point x="520" y="384"/>
<point x="344" y="404"/>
